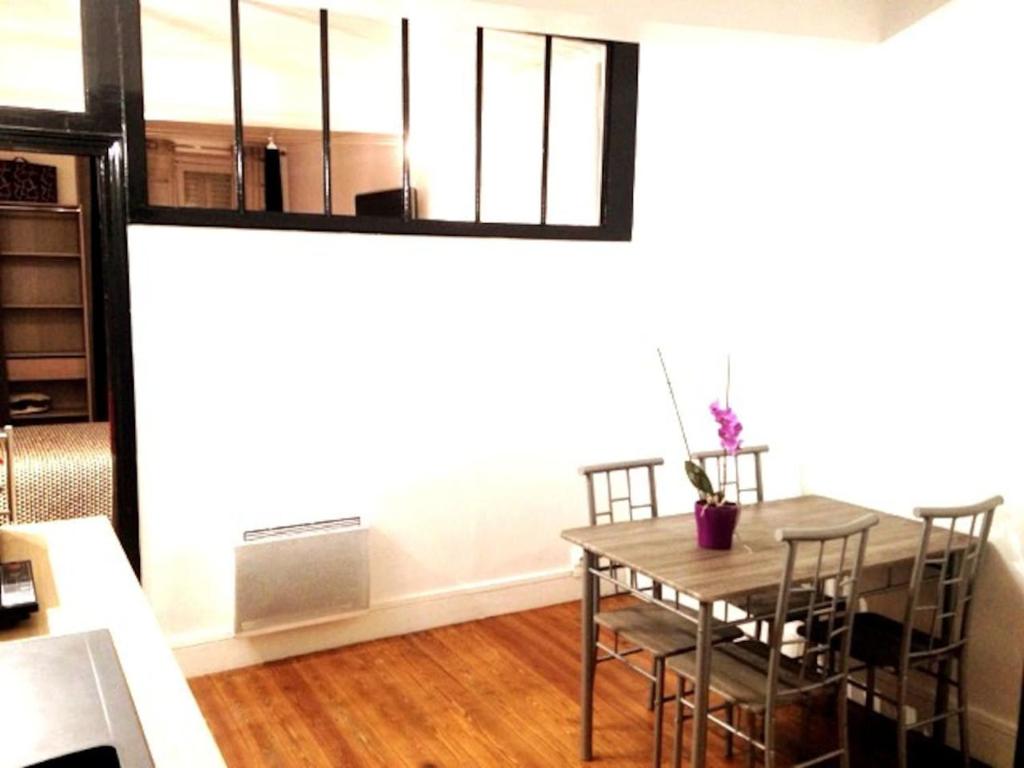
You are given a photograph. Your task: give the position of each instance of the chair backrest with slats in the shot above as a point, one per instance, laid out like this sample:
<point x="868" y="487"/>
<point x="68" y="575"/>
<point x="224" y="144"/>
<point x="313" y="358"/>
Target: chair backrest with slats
<point x="742" y="471"/>
<point x="621" y="491"/>
<point x="618" y="492"/>
<point x="837" y="554"/>
<point x="948" y="619"/>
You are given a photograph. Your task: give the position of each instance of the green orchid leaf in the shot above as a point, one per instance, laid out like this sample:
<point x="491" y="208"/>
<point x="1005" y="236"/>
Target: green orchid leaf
<point x="699" y="478"/>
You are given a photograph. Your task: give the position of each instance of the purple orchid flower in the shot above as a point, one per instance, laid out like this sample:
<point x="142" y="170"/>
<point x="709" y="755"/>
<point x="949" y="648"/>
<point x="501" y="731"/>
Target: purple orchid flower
<point x="729" y="428"/>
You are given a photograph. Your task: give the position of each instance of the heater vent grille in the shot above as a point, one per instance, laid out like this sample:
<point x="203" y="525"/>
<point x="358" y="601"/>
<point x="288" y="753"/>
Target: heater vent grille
<point x="301" y="574"/>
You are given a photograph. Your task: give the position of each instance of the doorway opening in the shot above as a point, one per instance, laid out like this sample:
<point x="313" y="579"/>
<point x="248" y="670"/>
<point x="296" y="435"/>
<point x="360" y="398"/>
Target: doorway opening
<point x="55" y="398"/>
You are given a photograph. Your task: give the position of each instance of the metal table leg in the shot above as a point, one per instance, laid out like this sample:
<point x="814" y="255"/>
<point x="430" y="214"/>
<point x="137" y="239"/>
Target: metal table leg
<point x="588" y="655"/>
<point x="701" y="685"/>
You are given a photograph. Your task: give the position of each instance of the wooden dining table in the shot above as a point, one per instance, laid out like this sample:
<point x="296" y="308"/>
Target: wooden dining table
<point x="665" y="550"/>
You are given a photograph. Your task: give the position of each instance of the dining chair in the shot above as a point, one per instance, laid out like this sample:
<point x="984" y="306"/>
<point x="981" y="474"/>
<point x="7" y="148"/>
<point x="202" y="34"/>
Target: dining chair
<point x="742" y="470"/>
<point x="941" y="591"/>
<point x="619" y="492"/>
<point x="760" y="678"/>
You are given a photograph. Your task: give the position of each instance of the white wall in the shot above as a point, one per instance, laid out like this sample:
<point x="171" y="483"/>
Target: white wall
<point x="837" y="215"/>
<point x="449" y="388"/>
<point x="919" y="363"/>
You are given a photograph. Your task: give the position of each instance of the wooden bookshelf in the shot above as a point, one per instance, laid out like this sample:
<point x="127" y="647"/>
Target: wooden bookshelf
<point x="44" y="309"/>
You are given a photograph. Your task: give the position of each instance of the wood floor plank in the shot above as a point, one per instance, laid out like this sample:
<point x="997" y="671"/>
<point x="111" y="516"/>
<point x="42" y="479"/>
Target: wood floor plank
<point x="350" y="684"/>
<point x="501" y="692"/>
<point x="457" y="716"/>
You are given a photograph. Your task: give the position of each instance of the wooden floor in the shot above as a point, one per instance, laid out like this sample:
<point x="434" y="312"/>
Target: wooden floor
<point x="498" y="692"/>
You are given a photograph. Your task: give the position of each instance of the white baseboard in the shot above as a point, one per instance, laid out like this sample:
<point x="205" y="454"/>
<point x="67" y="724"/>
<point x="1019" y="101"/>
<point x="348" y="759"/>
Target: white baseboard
<point x="205" y="654"/>
<point x="993" y="739"/>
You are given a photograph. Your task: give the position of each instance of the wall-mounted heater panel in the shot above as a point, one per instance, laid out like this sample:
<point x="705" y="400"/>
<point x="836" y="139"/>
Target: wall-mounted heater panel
<point x="301" y="574"/>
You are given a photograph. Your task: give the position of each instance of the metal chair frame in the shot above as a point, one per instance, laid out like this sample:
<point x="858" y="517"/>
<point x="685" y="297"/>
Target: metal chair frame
<point x="608" y="472"/>
<point x="831" y="610"/>
<point x="722" y="457"/>
<point x="949" y="622"/>
<point x="609" y="572"/>
<point x="725" y="632"/>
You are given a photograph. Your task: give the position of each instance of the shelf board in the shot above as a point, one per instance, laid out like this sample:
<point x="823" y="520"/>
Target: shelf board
<point x="35" y="355"/>
<point x="54" y="414"/>
<point x="47" y="369"/>
<point x="43" y="306"/>
<point x="41" y="254"/>
<point x="45" y="209"/>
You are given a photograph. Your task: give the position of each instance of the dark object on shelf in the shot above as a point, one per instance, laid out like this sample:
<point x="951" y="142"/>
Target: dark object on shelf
<point x="272" y="189"/>
<point x="27" y="403"/>
<point x="25" y="182"/>
<point x="385" y="203"/>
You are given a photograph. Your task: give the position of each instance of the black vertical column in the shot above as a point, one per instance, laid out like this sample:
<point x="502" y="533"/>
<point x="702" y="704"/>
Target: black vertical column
<point x="479" y="113"/>
<point x="236" y="74"/>
<point x="325" y="106"/>
<point x="547" y="131"/>
<point x="407" y="206"/>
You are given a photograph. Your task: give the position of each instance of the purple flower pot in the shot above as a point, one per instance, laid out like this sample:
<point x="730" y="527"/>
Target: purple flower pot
<point x="715" y="524"/>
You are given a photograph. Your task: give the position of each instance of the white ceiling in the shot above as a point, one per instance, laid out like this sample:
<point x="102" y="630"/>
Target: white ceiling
<point x="859" y="20"/>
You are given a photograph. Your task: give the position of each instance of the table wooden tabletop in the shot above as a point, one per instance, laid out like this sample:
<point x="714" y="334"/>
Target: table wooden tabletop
<point x="666" y="550"/>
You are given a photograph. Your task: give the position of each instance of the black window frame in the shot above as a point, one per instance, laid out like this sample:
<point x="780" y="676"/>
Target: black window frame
<point x="98" y="132"/>
<point x="622" y="66"/>
<point x="112" y="130"/>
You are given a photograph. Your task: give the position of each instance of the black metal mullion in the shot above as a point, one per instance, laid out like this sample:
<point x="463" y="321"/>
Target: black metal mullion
<point x="317" y="222"/>
<point x="606" y="136"/>
<point x="112" y="188"/>
<point x="100" y="67"/>
<point x="325" y="107"/>
<point x="479" y="114"/>
<point x="547" y="131"/>
<point x="133" y="108"/>
<point x="236" y="74"/>
<point x="406" y="187"/>
<point x="621" y="69"/>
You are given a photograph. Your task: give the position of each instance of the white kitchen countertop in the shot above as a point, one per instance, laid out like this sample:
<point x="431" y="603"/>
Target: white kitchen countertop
<point x="84" y="582"/>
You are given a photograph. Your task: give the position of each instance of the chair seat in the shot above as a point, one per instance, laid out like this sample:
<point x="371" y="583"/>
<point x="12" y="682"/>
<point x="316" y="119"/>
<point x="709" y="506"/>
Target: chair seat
<point x="658" y="630"/>
<point x="739" y="673"/>
<point x="761" y="605"/>
<point x="876" y="639"/>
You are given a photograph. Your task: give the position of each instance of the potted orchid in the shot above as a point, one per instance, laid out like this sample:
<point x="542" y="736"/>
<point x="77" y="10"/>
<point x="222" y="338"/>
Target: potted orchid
<point x="715" y="516"/>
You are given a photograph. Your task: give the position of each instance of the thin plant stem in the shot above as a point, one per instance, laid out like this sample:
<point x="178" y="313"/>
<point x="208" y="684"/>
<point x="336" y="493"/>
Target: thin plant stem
<point x="723" y="475"/>
<point x="672" y="394"/>
<point x="728" y="378"/>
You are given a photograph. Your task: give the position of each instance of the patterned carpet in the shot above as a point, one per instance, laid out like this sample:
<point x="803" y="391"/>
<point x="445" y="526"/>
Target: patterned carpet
<point x="62" y="471"/>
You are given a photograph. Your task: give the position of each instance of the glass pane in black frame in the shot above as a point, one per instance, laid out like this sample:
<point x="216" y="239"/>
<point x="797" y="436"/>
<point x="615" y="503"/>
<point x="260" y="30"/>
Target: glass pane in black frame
<point x="576" y="132"/>
<point x="512" y="135"/>
<point x="281" y="107"/>
<point x="41" y="63"/>
<point x="365" y="65"/>
<point x="442" y="123"/>
<point x="190" y="132"/>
